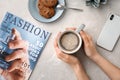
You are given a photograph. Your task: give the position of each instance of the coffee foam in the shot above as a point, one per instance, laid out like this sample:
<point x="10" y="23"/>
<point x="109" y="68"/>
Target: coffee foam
<point x="69" y="41"/>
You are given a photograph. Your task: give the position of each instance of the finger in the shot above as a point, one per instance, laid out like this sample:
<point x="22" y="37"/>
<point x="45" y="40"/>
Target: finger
<point x="15" y="65"/>
<point x="18" y="54"/>
<point x="58" y="36"/>
<point x="16" y="44"/>
<point x="72" y="28"/>
<point x="17" y="34"/>
<point x="1" y="70"/>
<point x="20" y="74"/>
<point x="59" y="53"/>
<point x="89" y="37"/>
<point x="64" y="57"/>
<point x="84" y="37"/>
<point x="56" y="39"/>
<point x="56" y="44"/>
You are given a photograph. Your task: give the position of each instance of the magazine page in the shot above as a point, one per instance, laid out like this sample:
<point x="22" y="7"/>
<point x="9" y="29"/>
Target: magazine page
<point x="33" y="35"/>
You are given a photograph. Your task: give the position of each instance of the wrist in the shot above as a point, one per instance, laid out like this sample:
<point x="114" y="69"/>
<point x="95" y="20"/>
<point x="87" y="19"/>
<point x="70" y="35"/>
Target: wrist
<point x="77" y="67"/>
<point x="76" y="64"/>
<point x="80" y="72"/>
<point x="96" y="57"/>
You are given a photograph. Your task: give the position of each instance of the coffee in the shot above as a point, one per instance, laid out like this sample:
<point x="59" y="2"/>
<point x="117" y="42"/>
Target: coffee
<point x="69" y="41"/>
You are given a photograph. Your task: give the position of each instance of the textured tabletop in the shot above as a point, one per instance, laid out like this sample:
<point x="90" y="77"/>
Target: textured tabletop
<point x="49" y="67"/>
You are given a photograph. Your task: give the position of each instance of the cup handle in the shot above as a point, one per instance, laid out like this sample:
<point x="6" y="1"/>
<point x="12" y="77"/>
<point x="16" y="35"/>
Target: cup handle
<point x="81" y="27"/>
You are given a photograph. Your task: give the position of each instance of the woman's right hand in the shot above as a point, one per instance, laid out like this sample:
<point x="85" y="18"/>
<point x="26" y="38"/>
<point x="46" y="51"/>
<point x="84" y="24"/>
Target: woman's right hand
<point x="89" y="46"/>
<point x="111" y="70"/>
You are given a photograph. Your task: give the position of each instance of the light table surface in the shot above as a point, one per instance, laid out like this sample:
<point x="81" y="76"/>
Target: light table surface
<point x="49" y="67"/>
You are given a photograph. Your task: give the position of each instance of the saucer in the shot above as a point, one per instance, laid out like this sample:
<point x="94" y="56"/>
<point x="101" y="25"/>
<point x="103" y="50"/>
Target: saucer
<point x="34" y="11"/>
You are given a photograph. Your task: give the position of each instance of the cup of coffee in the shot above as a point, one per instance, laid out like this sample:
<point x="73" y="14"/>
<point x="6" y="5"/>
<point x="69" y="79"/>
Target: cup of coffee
<point x="70" y="41"/>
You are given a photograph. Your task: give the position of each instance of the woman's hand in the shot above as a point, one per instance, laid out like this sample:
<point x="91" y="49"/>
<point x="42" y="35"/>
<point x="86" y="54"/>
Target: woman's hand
<point x="70" y="59"/>
<point x="18" y="70"/>
<point x="89" y="46"/>
<point x="111" y="70"/>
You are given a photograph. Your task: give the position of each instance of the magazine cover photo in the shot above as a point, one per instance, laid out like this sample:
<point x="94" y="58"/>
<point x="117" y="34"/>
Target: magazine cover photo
<point x="21" y="44"/>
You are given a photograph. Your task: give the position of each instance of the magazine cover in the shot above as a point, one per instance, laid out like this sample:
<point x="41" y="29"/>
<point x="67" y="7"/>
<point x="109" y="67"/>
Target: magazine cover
<point x="35" y="36"/>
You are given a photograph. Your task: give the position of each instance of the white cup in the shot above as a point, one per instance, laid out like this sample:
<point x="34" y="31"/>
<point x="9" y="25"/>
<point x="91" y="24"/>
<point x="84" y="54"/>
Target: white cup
<point x="70" y="41"/>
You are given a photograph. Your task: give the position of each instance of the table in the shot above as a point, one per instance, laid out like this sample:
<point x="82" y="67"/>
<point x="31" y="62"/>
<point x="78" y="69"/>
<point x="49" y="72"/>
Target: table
<point x="49" y="67"/>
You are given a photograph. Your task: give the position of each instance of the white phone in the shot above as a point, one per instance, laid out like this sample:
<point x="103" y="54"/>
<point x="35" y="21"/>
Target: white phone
<point x="110" y="32"/>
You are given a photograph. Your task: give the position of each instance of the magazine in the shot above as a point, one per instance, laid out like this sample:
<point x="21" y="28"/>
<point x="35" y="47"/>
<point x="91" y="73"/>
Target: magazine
<point x="36" y="37"/>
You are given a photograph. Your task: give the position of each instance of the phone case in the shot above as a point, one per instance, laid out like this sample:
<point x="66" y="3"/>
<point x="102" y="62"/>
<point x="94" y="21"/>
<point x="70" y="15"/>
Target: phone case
<point x="110" y="32"/>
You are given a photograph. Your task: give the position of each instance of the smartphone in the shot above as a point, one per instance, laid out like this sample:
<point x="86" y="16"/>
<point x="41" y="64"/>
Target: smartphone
<point x="110" y="33"/>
